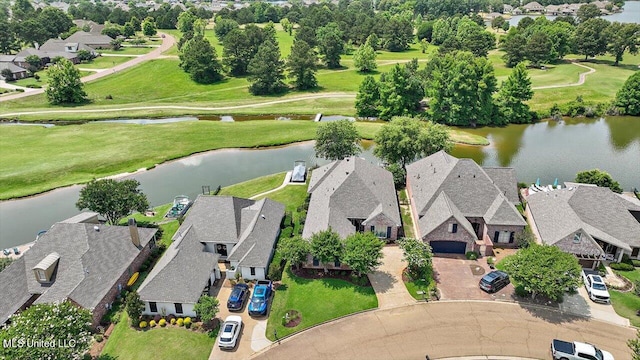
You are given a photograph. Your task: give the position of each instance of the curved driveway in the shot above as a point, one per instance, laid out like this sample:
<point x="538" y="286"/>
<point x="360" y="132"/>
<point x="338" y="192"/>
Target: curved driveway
<point x="167" y="42"/>
<point x="447" y="329"/>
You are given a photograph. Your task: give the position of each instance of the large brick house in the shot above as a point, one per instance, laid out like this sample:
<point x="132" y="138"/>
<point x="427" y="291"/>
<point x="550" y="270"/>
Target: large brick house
<point x="461" y="207"/>
<point x="76" y="260"/>
<point x="348" y="196"/>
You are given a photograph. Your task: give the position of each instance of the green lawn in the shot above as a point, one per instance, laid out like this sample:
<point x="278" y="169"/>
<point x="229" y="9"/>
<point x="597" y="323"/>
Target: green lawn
<point x="44" y="79"/>
<point x="317" y="301"/>
<point x="96" y="150"/>
<point x="252" y="187"/>
<point x="129" y="50"/>
<point x="626" y="304"/>
<point x="168" y="230"/>
<point x="418" y="285"/>
<point x="157" y="343"/>
<point x="161" y="211"/>
<point x="104" y="62"/>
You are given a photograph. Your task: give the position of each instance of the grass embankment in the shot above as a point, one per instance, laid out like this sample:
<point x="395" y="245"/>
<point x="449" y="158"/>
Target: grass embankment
<point x="255" y="186"/>
<point x="317" y="300"/>
<point x="77" y="154"/>
<point x="626" y="304"/>
<point x="157" y="343"/>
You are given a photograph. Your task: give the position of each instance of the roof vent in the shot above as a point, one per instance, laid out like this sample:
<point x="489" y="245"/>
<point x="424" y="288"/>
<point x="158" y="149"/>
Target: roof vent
<point x="458" y="175"/>
<point x="347" y="172"/>
<point x="434" y="170"/>
<point x="474" y="176"/>
<point x="262" y="216"/>
<point x="96" y="228"/>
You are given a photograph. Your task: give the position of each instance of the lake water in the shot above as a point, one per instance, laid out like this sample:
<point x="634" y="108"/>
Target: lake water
<point x="631" y="14"/>
<point x="544" y="150"/>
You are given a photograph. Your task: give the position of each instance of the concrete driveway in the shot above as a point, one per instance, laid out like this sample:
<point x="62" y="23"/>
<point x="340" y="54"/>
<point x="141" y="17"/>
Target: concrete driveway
<point x="387" y="280"/>
<point x="252" y="337"/>
<point x="447" y="329"/>
<point x="580" y="304"/>
<point x="458" y="279"/>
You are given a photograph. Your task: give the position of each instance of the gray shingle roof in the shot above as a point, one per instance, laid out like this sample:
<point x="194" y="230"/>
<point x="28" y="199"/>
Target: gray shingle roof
<point x="60" y="46"/>
<point x="599" y="211"/>
<point x="468" y="186"/>
<point x="505" y="179"/>
<point x="14" y="292"/>
<point x="15" y="69"/>
<point x="182" y="272"/>
<point x="217" y="218"/>
<point x="90" y="264"/>
<point x="89" y="38"/>
<point x="349" y="188"/>
<point x="441" y="210"/>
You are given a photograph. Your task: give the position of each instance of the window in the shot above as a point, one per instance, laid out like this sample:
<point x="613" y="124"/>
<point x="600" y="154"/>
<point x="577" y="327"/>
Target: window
<point x="373" y="228"/>
<point x="453" y="228"/>
<point x="504" y="237"/>
<point x="253" y="271"/>
<point x="41" y="275"/>
<point x="577" y="237"/>
<point x="336" y="263"/>
<point x="178" y="308"/>
<point x="634" y="252"/>
<point x="388" y="232"/>
<point x="316" y="262"/>
<point x="496" y="235"/>
<point x="512" y="237"/>
<point x="153" y="307"/>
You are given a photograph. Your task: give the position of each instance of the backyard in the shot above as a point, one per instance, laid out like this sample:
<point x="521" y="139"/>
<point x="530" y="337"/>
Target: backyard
<point x="626" y="304"/>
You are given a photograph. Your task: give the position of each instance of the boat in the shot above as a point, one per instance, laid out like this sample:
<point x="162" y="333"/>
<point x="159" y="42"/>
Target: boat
<point x="181" y="204"/>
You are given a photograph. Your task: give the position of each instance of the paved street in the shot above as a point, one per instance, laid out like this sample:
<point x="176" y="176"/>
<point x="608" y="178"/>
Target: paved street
<point x="447" y="329"/>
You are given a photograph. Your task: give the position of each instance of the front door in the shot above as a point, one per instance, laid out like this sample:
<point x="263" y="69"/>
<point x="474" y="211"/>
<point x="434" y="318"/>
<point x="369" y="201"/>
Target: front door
<point x="221" y="249"/>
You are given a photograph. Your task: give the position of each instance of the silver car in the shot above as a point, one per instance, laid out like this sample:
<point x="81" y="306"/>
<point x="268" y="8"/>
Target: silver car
<point x="230" y="332"/>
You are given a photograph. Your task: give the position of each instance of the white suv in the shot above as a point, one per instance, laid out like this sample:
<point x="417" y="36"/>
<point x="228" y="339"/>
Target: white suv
<point x="596" y="288"/>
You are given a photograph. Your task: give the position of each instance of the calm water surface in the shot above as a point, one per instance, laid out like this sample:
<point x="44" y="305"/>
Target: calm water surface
<point x="546" y="150"/>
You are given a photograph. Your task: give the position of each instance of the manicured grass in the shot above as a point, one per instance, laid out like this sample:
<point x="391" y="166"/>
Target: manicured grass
<point x="418" y="285"/>
<point x="160" y="213"/>
<point x="44" y="79"/>
<point x="292" y="196"/>
<point x="103" y="62"/>
<point x="168" y="230"/>
<point x="157" y="343"/>
<point x="407" y="223"/>
<point x="252" y="187"/>
<point x="317" y="300"/>
<point x="129" y="50"/>
<point x="626" y="305"/>
<point x="631" y="275"/>
<point x="96" y="150"/>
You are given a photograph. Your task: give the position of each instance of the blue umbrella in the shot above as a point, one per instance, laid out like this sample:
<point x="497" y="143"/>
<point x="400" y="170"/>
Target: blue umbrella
<point x="555" y="183"/>
<point x="538" y="182"/>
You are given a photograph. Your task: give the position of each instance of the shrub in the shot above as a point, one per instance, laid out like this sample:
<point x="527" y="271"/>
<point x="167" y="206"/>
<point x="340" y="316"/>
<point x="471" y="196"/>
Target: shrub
<point x="173" y="321"/>
<point x="621" y="266"/>
<point x="521" y="291"/>
<point x="143" y="324"/>
<point x="180" y="322"/>
<point x="490" y="260"/>
<point x="162" y="322"/>
<point x="275" y="272"/>
<point x="636" y="263"/>
<point x="195" y="327"/>
<point x="87" y="356"/>
<point x="187" y="321"/>
<point x="471" y="255"/>
<point x="287" y="219"/>
<point x="286" y="232"/>
<point x="152" y="323"/>
<point x="34" y="86"/>
<point x="98" y="337"/>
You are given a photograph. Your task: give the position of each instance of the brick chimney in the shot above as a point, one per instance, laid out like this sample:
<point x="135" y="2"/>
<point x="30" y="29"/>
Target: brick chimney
<point x="133" y="230"/>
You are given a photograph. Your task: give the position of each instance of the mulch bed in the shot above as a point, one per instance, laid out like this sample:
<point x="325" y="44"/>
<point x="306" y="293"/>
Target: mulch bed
<point x="296" y="319"/>
<point x="331" y="274"/>
<point x="476" y="269"/>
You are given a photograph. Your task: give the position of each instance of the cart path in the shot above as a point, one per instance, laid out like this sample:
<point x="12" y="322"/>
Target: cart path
<point x="167" y="42"/>
<point x="581" y="78"/>
<point x="176" y="107"/>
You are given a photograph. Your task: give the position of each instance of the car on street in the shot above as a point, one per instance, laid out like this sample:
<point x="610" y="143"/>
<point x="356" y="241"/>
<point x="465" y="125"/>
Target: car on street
<point x="494" y="281"/>
<point x="230" y="332"/>
<point x="239" y="295"/>
<point x="259" y="304"/>
<point x="596" y="288"/>
<point x="565" y="350"/>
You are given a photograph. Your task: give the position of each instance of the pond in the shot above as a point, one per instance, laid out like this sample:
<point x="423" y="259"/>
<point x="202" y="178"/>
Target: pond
<point x="630" y="14"/>
<point x="545" y="150"/>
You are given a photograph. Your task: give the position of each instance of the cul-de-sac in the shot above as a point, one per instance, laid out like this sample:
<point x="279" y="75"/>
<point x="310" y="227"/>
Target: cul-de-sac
<point x="319" y="179"/>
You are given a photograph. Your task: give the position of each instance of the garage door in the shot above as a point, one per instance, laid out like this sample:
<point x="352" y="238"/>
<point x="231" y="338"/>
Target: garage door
<point x="448" y="247"/>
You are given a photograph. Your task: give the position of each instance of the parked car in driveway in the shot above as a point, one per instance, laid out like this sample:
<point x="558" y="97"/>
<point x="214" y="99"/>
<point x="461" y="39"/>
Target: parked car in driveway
<point x="259" y="304"/>
<point x="230" y="332"/>
<point x="564" y="350"/>
<point x="596" y="289"/>
<point x="239" y="294"/>
<point x="494" y="281"/>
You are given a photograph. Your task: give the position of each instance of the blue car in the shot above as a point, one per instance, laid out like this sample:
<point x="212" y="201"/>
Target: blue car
<point x="259" y="304"/>
<point x="238" y="296"/>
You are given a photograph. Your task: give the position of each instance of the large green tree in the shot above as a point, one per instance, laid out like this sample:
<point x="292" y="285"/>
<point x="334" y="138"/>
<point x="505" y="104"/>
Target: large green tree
<point x="515" y="48"/>
<point x="302" y="65"/>
<point x="236" y="52"/>
<point x="365" y="58"/>
<point x="397" y="34"/>
<point x="54" y="21"/>
<point x="65" y="326"/>
<point x="621" y="38"/>
<point x="368" y="98"/>
<point x="513" y="94"/>
<point x="590" y="38"/>
<point x="406" y="139"/>
<point x="134" y="306"/>
<point x="331" y="44"/>
<point x="628" y="97"/>
<point x="538" y="49"/>
<point x="587" y="11"/>
<point x="598" y="177"/>
<point x="149" y="27"/>
<point x="65" y="86"/>
<point x="266" y="70"/>
<point x="336" y="140"/>
<point x="634" y="346"/>
<point x="223" y="27"/>
<point x="363" y="252"/>
<point x="199" y="59"/>
<point x="207" y="308"/>
<point x="326" y="246"/>
<point x="112" y="199"/>
<point x="294" y="249"/>
<point x="544" y="270"/>
<point x="400" y="91"/>
<point x="8" y="39"/>
<point x="460" y="89"/>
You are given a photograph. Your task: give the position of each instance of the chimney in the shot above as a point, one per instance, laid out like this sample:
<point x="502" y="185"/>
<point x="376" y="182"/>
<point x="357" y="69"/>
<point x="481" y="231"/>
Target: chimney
<point x="133" y="230"/>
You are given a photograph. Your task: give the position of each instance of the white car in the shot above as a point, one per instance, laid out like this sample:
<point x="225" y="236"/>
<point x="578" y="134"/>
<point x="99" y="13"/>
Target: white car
<point x="229" y="332"/>
<point x="596" y="288"/>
